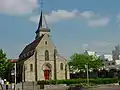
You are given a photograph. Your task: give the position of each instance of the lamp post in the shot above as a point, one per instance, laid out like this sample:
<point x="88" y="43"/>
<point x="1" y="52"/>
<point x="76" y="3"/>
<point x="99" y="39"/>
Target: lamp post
<point x="15" y="75"/>
<point x="87" y="71"/>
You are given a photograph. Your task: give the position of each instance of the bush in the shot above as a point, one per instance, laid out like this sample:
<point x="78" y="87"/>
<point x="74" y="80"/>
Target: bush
<point x="104" y="80"/>
<point x="79" y="81"/>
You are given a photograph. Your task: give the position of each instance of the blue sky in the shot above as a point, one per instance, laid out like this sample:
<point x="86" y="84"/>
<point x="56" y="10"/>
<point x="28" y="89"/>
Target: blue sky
<point x="75" y="24"/>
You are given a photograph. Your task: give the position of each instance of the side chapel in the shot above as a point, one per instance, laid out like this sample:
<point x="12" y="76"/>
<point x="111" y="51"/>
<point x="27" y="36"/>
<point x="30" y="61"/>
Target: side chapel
<point x="40" y="60"/>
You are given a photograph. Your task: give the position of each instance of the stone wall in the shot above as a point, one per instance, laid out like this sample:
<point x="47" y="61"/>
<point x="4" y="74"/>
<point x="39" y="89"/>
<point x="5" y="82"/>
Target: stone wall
<point x="34" y="86"/>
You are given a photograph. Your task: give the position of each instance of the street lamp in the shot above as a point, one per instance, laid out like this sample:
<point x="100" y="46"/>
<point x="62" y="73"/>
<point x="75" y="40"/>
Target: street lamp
<point x="86" y="66"/>
<point x="15" y="75"/>
<point x="14" y="61"/>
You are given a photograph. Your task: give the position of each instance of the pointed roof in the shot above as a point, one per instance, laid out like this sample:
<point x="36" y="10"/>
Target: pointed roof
<point x="42" y="26"/>
<point x="40" y="22"/>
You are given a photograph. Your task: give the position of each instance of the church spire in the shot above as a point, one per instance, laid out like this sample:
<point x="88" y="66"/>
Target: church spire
<point x="40" y="21"/>
<point x="42" y="26"/>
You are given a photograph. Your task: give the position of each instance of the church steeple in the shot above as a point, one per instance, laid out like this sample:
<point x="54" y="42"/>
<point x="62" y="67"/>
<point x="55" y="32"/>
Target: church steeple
<point x="40" y="21"/>
<point x="42" y="26"/>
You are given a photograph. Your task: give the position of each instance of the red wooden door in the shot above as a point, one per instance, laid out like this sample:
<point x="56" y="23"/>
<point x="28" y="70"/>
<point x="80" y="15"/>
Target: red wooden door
<point x="46" y="74"/>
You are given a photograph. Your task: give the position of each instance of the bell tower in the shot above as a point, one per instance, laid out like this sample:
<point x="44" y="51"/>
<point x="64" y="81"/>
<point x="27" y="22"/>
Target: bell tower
<point x="42" y="26"/>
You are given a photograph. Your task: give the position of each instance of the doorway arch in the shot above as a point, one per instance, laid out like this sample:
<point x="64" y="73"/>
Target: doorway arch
<point x="47" y="70"/>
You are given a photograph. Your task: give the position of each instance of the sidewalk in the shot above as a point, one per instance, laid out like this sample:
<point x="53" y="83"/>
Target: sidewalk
<point x="106" y="88"/>
<point x="113" y="84"/>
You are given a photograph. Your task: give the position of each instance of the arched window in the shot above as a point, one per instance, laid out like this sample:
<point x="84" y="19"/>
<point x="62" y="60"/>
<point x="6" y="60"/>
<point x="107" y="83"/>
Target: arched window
<point x="66" y="71"/>
<point x="45" y="42"/>
<point x="61" y="66"/>
<point x="31" y="67"/>
<point x="46" y="55"/>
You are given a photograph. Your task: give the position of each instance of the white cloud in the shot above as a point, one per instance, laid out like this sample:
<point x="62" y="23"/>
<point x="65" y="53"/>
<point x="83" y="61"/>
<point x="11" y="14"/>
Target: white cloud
<point x="95" y="20"/>
<point x="56" y="16"/>
<point x="27" y="6"/>
<point x="101" y="43"/>
<point x="118" y="17"/>
<point x="88" y="14"/>
<point x="17" y="6"/>
<point x="99" y="22"/>
<point x="100" y="46"/>
<point x="85" y="46"/>
<point x="92" y="19"/>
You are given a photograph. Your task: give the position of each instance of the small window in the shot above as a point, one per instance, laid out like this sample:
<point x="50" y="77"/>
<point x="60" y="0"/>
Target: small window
<point x="106" y="60"/>
<point x="46" y="55"/>
<point x="45" y="42"/>
<point x="61" y="66"/>
<point x="31" y="67"/>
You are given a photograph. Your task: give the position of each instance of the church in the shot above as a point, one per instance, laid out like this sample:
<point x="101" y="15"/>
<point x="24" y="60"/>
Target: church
<point x="40" y="59"/>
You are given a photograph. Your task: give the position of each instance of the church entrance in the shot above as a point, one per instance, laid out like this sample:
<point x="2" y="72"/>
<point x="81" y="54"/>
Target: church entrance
<point x="47" y="71"/>
<point x="47" y="74"/>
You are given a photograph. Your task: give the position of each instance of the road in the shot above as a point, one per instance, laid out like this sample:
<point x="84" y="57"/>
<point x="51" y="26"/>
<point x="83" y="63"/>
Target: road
<point x="107" y="88"/>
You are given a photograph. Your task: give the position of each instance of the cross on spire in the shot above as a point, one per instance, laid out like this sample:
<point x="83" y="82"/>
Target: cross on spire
<point x="42" y="21"/>
<point x="41" y="15"/>
<point x="42" y="26"/>
<point x="41" y="4"/>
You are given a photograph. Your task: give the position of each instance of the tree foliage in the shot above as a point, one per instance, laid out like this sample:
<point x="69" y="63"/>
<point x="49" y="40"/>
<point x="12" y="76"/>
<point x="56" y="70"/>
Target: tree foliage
<point x="5" y="65"/>
<point x="78" y="62"/>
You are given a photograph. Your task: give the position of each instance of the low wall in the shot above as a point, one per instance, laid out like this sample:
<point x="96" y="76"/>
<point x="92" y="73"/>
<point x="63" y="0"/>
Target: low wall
<point x="34" y="86"/>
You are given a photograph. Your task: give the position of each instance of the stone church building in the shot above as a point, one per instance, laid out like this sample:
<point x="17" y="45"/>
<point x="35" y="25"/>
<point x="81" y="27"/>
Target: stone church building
<point x="40" y="60"/>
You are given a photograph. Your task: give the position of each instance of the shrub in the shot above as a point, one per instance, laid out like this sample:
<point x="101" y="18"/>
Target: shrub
<point x="79" y="81"/>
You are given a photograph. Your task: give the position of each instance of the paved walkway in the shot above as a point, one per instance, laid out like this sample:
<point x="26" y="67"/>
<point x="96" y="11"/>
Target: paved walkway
<point x="107" y="88"/>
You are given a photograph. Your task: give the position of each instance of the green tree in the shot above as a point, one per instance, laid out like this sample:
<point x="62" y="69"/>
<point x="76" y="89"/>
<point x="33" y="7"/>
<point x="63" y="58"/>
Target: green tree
<point x="5" y="65"/>
<point x="78" y="62"/>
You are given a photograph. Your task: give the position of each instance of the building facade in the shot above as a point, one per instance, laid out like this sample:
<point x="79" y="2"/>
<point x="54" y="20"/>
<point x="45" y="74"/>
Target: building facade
<point x="40" y="60"/>
<point x="116" y="53"/>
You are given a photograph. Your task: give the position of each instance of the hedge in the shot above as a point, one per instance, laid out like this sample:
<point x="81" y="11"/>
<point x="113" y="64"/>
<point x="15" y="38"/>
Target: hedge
<point x="78" y="81"/>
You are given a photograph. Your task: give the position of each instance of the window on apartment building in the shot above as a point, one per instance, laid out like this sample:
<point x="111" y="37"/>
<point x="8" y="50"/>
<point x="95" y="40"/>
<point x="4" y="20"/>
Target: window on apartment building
<point x="113" y="63"/>
<point x="61" y="66"/>
<point x="106" y="60"/>
<point x="31" y="67"/>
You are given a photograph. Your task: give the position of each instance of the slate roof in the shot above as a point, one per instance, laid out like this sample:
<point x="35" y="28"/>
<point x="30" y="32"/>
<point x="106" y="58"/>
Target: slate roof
<point x="29" y="49"/>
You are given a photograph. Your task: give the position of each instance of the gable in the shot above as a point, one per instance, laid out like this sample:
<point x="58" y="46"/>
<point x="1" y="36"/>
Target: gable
<point x="45" y="44"/>
<point x="46" y="40"/>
